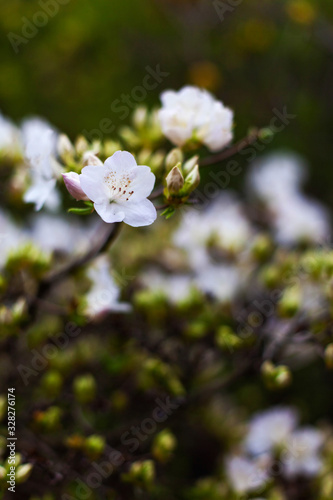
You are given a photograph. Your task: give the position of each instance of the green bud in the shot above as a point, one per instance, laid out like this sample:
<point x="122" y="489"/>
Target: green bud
<point x="164" y="445"/>
<point x="271" y="276"/>
<point x="265" y="133"/>
<point x="174" y="157"/>
<point x="23" y="472"/>
<point x="196" y="329"/>
<point x="65" y="147"/>
<point x="141" y="473"/>
<point x="190" y="164"/>
<point x="276" y="377"/>
<point x="328" y="356"/>
<point x="175" y="180"/>
<point x="226" y="338"/>
<point x="139" y="117"/>
<point x="262" y="247"/>
<point x="94" y="446"/>
<point x="110" y="147"/>
<point x="130" y="137"/>
<point x="84" y="388"/>
<point x="3" y="472"/>
<point x="81" y="145"/>
<point x="52" y="383"/>
<point x="290" y="302"/>
<point x="192" y="181"/>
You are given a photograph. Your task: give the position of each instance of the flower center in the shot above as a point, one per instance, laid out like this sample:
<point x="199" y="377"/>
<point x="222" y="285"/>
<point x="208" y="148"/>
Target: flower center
<point x="119" y="186"/>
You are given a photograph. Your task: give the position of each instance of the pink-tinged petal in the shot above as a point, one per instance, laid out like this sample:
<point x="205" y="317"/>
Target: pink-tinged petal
<point x="142" y="183"/>
<point x="72" y="183"/>
<point x="92" y="183"/>
<point x="120" y="161"/>
<point x="138" y="214"/>
<point x="110" y="212"/>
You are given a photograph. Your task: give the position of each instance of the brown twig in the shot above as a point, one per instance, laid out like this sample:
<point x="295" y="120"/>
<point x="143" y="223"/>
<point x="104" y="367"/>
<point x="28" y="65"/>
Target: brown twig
<point x="233" y="150"/>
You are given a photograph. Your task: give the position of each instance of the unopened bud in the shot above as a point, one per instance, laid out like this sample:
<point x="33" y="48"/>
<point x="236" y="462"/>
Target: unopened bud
<point x="81" y="145"/>
<point x="328" y="356"/>
<point x="174" y="157"/>
<point x="190" y="164"/>
<point x="290" y="302"/>
<point x="72" y="183"/>
<point x="64" y="146"/>
<point x="276" y="377"/>
<point x="89" y="158"/>
<point x="23" y="472"/>
<point x="140" y="117"/>
<point x="163" y="445"/>
<point x="192" y="181"/>
<point x="142" y="473"/>
<point x="84" y="388"/>
<point x="94" y="446"/>
<point x="175" y="180"/>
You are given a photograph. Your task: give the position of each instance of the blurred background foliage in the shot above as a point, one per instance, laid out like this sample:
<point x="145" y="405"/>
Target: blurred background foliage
<point x="257" y="56"/>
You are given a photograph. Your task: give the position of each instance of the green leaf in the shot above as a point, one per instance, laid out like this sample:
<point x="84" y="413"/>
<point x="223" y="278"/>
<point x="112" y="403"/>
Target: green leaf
<point x="168" y="212"/>
<point x="80" y="211"/>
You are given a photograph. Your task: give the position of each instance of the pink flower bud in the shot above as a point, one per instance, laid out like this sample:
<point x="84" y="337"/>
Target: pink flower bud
<point x="72" y="183"/>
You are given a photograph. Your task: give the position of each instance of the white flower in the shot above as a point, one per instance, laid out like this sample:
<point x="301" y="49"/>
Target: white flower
<point x="194" y="114"/>
<point x="276" y="177"/>
<point x="40" y="144"/>
<point x="175" y="287"/>
<point x="245" y="474"/>
<point x="270" y="429"/>
<point x="300" y="219"/>
<point x="119" y="190"/>
<point x="56" y="233"/>
<point x="221" y="281"/>
<point x="104" y="293"/>
<point x="302" y="454"/>
<point x="11" y="236"/>
<point x="222" y="222"/>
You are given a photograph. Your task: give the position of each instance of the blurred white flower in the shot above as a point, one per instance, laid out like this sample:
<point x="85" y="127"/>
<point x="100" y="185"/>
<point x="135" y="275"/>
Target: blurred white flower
<point x="302" y="453"/>
<point x="194" y="114"/>
<point x="270" y="429"/>
<point x="104" y="294"/>
<point x="300" y="219"/>
<point x="175" y="287"/>
<point x="223" y="282"/>
<point x="119" y="190"/>
<point x="56" y="233"/>
<point x="223" y="223"/>
<point x="40" y="146"/>
<point x="10" y="138"/>
<point x="245" y="474"/>
<point x="11" y="236"/>
<point x="276" y="177"/>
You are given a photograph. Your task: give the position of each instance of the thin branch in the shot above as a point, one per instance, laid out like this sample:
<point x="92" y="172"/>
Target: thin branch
<point x="233" y="150"/>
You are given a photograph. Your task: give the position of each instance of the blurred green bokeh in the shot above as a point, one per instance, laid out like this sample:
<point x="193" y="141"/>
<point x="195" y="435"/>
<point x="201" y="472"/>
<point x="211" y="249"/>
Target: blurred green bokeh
<point x="257" y="56"/>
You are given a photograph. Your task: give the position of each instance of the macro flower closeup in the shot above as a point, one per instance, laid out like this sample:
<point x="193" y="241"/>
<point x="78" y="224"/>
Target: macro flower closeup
<point x="193" y="115"/>
<point x="119" y="189"/>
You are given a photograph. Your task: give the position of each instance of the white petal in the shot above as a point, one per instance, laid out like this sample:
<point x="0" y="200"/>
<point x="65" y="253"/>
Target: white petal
<point x="142" y="183"/>
<point x="110" y="212"/>
<point x="39" y="192"/>
<point x="138" y="214"/>
<point x="121" y="160"/>
<point x="91" y="180"/>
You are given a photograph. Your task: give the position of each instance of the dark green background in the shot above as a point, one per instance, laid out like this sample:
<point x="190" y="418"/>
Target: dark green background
<point x="91" y="52"/>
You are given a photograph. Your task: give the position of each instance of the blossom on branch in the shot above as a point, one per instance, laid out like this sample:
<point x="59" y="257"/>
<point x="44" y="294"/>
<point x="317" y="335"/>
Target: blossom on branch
<point x="192" y="115"/>
<point x="119" y="189"/>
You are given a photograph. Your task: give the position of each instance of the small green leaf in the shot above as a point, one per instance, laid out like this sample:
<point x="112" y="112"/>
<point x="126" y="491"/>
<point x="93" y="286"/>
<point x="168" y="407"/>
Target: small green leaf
<point x="168" y="212"/>
<point x="89" y="203"/>
<point x="80" y="211"/>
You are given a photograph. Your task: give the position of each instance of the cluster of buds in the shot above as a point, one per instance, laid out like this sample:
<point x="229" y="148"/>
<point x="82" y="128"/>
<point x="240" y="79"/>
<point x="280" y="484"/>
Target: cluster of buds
<point x="182" y="178"/>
